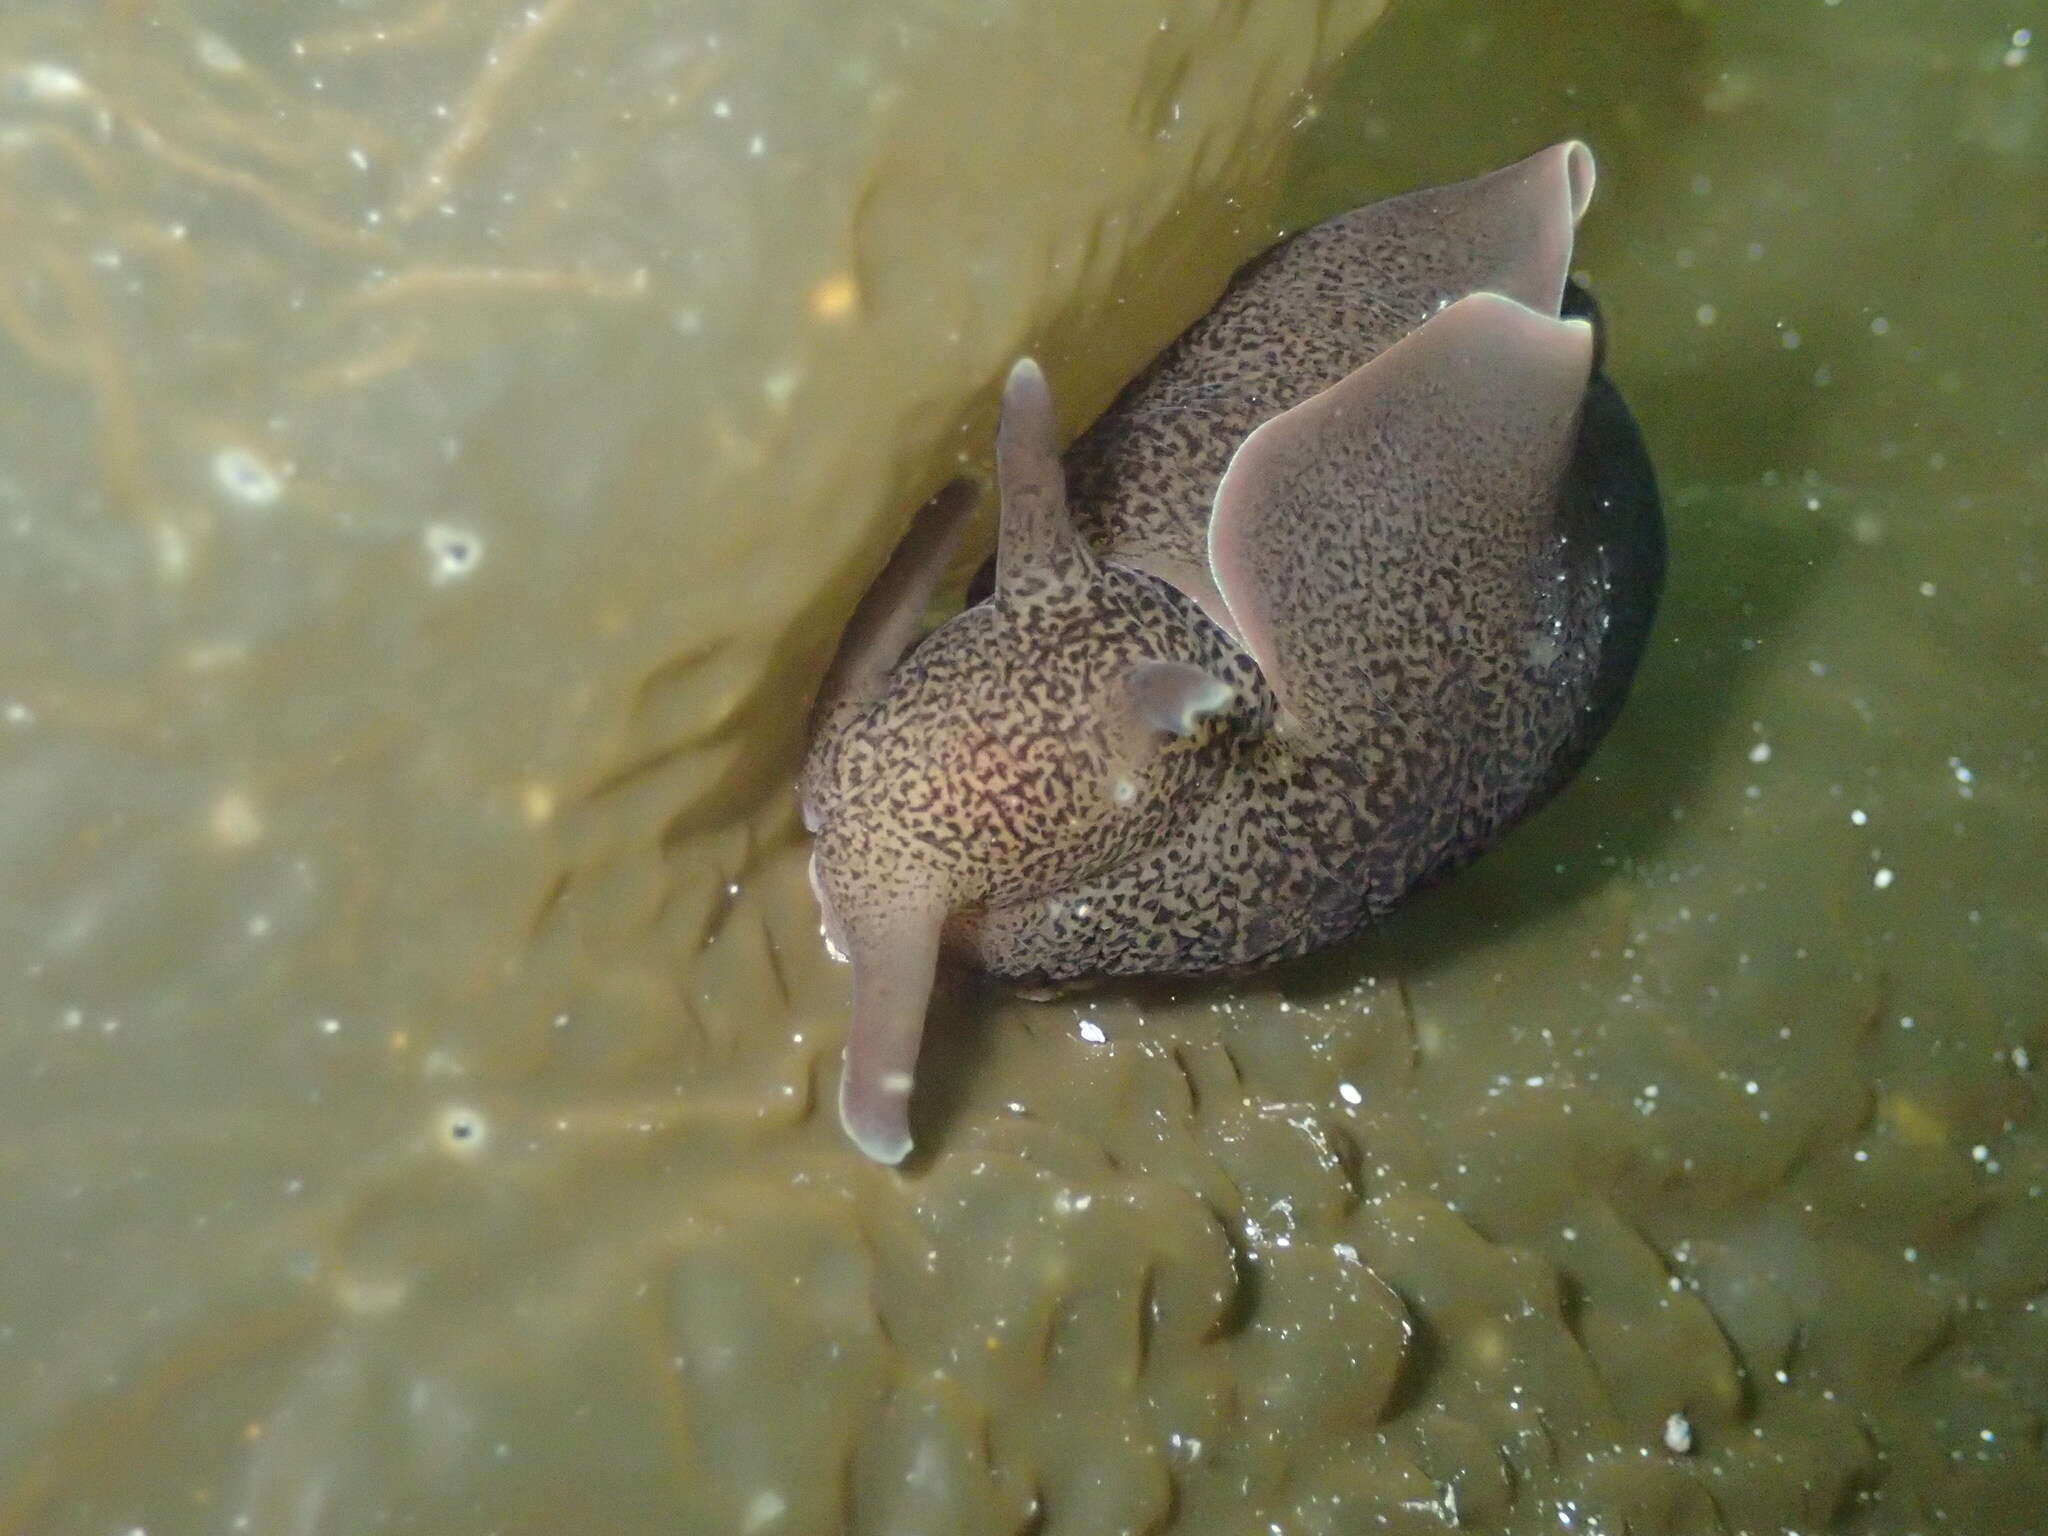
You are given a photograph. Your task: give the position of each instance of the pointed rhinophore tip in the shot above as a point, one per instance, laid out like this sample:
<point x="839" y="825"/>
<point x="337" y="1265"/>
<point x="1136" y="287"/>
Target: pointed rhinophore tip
<point x="876" y="1116"/>
<point x="1578" y="175"/>
<point x="1027" y="398"/>
<point x="1026" y="422"/>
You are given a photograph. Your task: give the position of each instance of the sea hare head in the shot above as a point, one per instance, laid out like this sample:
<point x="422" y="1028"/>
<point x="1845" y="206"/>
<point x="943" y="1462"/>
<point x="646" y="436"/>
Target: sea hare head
<point x="1038" y="736"/>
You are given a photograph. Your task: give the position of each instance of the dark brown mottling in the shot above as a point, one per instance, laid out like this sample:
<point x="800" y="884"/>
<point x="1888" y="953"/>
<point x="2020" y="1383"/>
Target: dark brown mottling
<point x="1432" y="557"/>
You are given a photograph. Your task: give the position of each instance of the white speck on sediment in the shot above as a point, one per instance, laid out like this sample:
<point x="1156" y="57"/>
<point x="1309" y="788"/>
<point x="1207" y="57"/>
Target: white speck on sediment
<point x="234" y="821"/>
<point x="47" y="83"/>
<point x="219" y="55"/>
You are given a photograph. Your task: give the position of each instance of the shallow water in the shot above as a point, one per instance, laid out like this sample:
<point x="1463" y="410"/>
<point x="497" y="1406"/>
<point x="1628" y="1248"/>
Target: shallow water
<point x="417" y="1045"/>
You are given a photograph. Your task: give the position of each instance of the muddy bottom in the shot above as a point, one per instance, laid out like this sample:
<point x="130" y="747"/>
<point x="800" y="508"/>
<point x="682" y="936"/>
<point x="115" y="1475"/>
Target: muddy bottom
<point x="437" y="447"/>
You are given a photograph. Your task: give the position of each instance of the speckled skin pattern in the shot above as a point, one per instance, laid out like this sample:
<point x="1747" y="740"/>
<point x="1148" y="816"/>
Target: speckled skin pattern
<point x="1307" y="847"/>
<point x="1426" y="587"/>
<point x="1304" y="315"/>
<point x="1004" y="698"/>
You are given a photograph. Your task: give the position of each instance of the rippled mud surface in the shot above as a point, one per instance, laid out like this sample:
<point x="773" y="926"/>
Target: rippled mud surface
<point x="437" y="446"/>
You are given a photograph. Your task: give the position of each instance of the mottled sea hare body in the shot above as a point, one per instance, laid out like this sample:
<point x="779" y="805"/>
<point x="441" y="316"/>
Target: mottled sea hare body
<point x="1348" y="582"/>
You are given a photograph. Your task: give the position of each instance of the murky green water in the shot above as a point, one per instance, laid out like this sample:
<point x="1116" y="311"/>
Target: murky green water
<point x="437" y="443"/>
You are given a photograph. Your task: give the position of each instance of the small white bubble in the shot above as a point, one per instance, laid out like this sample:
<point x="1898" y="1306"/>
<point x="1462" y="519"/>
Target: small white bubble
<point x="1927" y="589"/>
<point x="1678" y="1434"/>
<point x="1706" y="314"/>
<point x="240" y="473"/>
<point x="1882" y="879"/>
<point x="463" y="1130"/>
<point x="1879" y="325"/>
<point x="1760" y="753"/>
<point x="1349" y="1093"/>
<point x="1859" y="818"/>
<point x="452" y="552"/>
